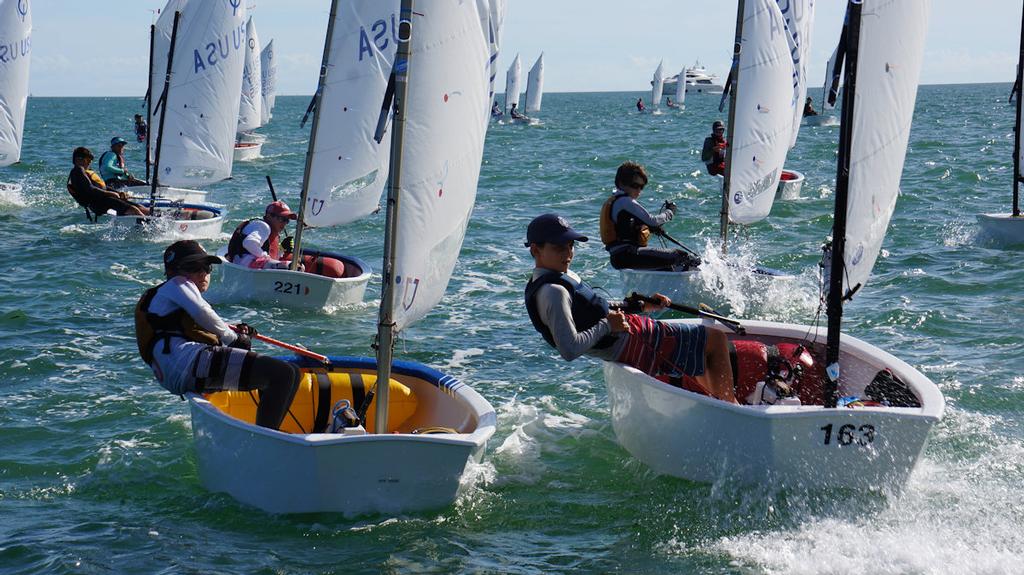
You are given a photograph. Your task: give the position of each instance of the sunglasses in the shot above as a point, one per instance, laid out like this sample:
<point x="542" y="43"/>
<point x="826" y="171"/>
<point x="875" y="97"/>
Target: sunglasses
<point x="195" y="268"/>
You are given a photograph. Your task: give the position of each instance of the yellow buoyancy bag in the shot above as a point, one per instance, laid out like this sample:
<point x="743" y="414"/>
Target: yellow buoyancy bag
<point x="303" y="412"/>
<point x="609" y="231"/>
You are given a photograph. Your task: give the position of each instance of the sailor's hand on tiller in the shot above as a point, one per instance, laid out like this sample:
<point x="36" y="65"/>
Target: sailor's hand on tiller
<point x="617" y="322"/>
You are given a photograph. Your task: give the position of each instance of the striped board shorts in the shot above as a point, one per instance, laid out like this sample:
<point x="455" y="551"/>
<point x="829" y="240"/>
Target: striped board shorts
<point x="219" y="368"/>
<point x="659" y="348"/>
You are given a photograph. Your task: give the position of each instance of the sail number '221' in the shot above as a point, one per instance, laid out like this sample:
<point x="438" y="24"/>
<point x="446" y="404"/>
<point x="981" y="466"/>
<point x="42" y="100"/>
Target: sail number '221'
<point x="290" y="288"/>
<point x="850" y="434"/>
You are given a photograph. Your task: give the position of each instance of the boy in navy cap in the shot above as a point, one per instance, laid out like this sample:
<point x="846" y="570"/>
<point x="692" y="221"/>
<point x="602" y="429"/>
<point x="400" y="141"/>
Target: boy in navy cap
<point x="576" y="321"/>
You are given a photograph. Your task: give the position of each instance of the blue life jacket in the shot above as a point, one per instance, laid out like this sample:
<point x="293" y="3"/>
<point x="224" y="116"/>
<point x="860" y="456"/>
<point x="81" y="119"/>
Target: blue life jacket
<point x="587" y="307"/>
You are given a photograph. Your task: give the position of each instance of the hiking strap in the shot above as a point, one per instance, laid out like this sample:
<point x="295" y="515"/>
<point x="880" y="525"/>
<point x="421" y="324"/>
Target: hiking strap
<point x="323" y="402"/>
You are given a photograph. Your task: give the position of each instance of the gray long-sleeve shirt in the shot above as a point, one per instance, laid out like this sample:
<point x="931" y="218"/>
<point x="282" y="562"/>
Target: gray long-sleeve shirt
<point x="554" y="305"/>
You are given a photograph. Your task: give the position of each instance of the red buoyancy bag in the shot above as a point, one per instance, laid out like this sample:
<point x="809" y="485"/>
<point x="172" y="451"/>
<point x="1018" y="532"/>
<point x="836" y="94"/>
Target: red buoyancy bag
<point x="322" y="265"/>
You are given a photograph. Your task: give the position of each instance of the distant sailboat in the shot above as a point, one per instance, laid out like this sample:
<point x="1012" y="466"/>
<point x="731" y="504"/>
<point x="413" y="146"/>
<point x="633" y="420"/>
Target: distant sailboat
<point x="268" y="82"/>
<point x="16" y="38"/>
<point x="512" y="90"/>
<point x="830" y="88"/>
<point x="1009" y="227"/>
<point x="680" y="102"/>
<point x="250" y="108"/>
<point x="657" y="86"/>
<point x="535" y="85"/>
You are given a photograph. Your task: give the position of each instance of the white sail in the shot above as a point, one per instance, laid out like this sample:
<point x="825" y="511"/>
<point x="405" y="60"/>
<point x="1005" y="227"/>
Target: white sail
<point x="889" y="57"/>
<point x="512" y="84"/>
<point x="535" y="85"/>
<point x="830" y="72"/>
<point x="658" y="85"/>
<point x="444" y="141"/>
<point x="250" y="109"/>
<point x="799" y="17"/>
<point x="206" y="85"/>
<point x="681" y="87"/>
<point x="15" y="51"/>
<point x="763" y="119"/>
<point x="268" y="82"/>
<point x="349" y="168"/>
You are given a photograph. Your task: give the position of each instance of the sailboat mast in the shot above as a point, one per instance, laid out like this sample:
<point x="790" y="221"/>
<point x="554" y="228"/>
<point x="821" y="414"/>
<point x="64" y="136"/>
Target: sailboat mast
<point x="299" y="224"/>
<point x="149" y="96"/>
<point x="386" y="322"/>
<point x="836" y="271"/>
<point x="734" y="74"/>
<point x="1017" y="127"/>
<point x="163" y="111"/>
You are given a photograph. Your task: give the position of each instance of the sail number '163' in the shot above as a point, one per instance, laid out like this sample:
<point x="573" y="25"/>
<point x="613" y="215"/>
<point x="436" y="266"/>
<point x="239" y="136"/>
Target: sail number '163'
<point x="850" y="434"/>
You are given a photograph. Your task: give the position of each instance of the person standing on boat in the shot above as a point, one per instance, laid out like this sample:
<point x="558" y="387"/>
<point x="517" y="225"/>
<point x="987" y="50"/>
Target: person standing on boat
<point x="576" y="321"/>
<point x="112" y="167"/>
<point x="141" y="129"/>
<point x="626" y="226"/>
<point x="256" y="243"/>
<point x="713" y="154"/>
<point x="89" y="190"/>
<point x="191" y="349"/>
<point x="809" y="107"/>
<point x="639" y="104"/>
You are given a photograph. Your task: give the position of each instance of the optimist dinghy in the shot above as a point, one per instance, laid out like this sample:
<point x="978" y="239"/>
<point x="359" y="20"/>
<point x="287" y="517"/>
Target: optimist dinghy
<point x="426" y="426"/>
<point x="177" y="220"/>
<point x="761" y="120"/>
<point x="791" y="183"/>
<point x="1008" y="228"/>
<point x="821" y="409"/>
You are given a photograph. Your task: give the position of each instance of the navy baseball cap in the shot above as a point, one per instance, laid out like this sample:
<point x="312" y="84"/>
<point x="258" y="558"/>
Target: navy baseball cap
<point x="551" y="229"/>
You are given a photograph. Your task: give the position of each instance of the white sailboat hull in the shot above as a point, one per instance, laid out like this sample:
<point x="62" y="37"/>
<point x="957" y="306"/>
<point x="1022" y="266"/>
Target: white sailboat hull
<point x="790" y="185"/>
<point x="292" y="288"/>
<point x="172" y="225"/>
<point x="351" y="474"/>
<point x="684" y="434"/>
<point x="10" y="189"/>
<point x="1003" y="227"/>
<point x="247" y="151"/>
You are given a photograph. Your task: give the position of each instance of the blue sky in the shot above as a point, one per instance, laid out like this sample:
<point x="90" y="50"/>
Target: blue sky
<point x="100" y="48"/>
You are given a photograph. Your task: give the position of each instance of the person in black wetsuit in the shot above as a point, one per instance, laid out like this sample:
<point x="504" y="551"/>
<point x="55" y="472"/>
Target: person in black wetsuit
<point x="714" y="151"/>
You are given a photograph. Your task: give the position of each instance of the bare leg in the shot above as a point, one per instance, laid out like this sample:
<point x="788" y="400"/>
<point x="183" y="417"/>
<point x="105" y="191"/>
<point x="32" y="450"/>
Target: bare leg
<point x="717" y="375"/>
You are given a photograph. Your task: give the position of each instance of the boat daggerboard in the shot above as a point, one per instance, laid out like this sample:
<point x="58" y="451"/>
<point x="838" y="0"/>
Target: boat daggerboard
<point x="763" y="121"/>
<point x="16" y="45"/>
<point x="446" y="122"/>
<point x="658" y="85"/>
<point x="535" y="85"/>
<point x="799" y="17"/>
<point x="890" y="51"/>
<point x="206" y="86"/>
<point x="512" y="83"/>
<point x="349" y="169"/>
<point x="268" y="82"/>
<point x="250" y="108"/>
<point x="681" y="87"/>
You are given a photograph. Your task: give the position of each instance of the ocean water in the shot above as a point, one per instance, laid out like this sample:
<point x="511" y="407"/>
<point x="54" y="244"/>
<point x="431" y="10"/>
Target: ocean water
<point x="97" y="470"/>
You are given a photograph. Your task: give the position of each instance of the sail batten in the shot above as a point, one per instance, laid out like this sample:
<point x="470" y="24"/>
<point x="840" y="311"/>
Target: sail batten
<point x="16" y="38"/>
<point x="762" y="125"/>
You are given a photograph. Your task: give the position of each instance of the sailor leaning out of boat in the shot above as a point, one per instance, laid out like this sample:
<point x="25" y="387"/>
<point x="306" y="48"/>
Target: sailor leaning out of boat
<point x="191" y="349"/>
<point x="576" y="321"/>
